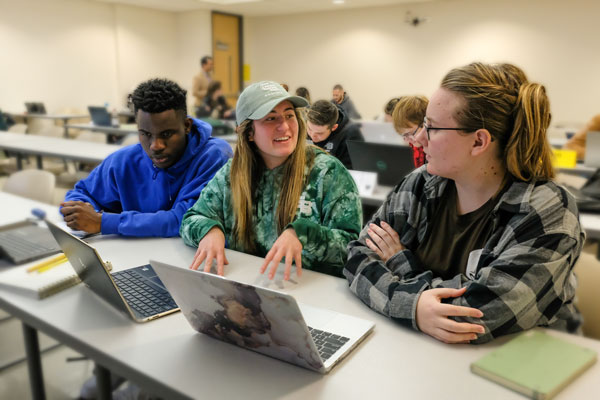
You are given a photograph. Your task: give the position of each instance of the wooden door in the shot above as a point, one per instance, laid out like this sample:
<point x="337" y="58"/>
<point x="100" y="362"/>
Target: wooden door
<point x="227" y="53"/>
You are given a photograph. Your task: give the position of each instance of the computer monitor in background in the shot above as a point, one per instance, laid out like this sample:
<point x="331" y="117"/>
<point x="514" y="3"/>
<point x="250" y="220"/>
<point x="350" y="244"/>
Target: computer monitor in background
<point x="592" y="151"/>
<point x="391" y="162"/>
<point x="100" y="116"/>
<point x="35" y="107"/>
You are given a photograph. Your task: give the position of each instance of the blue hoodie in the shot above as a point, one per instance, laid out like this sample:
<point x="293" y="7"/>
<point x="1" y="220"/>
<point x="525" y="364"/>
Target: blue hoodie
<point x="138" y="199"/>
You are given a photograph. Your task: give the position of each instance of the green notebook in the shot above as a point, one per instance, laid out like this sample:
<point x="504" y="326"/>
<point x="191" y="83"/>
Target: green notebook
<point x="535" y="364"/>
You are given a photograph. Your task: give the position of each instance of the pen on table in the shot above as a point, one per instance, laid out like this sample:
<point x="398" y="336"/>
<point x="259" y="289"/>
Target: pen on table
<point x="51" y="263"/>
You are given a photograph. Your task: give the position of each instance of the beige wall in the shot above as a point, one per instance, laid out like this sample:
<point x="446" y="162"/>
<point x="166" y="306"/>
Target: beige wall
<point x="376" y="55"/>
<point x="74" y="53"/>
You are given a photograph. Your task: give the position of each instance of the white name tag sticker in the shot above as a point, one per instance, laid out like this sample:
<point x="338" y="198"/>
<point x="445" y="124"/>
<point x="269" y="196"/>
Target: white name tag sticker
<point x="472" y="263"/>
<point x="365" y="181"/>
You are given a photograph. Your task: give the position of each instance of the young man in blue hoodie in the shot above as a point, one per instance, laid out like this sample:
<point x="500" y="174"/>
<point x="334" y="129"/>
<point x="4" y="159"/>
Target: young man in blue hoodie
<point x="144" y="189"/>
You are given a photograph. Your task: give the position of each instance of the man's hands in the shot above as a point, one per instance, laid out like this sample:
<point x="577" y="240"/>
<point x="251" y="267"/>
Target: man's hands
<point x="81" y="216"/>
<point x="432" y="317"/>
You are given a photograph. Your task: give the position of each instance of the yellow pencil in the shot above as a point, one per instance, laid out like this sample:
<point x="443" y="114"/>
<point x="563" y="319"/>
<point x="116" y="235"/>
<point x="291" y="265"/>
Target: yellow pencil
<point x="44" y="265"/>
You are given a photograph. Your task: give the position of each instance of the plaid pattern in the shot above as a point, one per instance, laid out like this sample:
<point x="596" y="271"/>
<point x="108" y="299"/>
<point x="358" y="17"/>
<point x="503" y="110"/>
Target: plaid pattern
<point x="523" y="278"/>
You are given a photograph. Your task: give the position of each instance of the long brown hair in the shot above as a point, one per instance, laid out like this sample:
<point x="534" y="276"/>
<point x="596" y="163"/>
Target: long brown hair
<point x="247" y="168"/>
<point x="515" y="112"/>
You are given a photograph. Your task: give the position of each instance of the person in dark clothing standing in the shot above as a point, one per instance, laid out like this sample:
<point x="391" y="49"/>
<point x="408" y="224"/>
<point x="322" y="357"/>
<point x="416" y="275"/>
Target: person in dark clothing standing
<point x="329" y="128"/>
<point x="341" y="98"/>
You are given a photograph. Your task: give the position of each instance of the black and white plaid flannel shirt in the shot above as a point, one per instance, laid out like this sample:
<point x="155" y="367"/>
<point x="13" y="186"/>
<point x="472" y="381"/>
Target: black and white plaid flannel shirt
<point x="523" y="278"/>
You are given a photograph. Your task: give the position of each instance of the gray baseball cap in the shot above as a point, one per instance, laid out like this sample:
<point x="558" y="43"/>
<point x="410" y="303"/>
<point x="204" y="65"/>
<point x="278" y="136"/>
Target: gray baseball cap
<point x="258" y="99"/>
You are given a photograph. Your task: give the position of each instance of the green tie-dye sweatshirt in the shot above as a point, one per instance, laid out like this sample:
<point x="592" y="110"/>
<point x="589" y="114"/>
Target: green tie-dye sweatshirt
<point x="329" y="213"/>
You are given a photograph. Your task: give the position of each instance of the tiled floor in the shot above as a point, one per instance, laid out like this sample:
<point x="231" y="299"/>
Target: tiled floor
<point x="63" y="379"/>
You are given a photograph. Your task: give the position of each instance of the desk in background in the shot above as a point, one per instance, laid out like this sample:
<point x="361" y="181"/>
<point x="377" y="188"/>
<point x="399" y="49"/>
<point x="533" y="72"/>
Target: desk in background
<point x="67" y="149"/>
<point x="122" y="130"/>
<point x="171" y="360"/>
<point x="62" y="117"/>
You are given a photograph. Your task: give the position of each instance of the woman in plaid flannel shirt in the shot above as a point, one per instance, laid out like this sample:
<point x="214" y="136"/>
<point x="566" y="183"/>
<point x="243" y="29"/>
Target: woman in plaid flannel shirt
<point x="484" y="137"/>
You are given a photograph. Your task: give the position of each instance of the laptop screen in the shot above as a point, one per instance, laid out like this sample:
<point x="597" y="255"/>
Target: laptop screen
<point x="391" y="162"/>
<point x="35" y="107"/>
<point x="100" y="116"/>
<point x="88" y="265"/>
<point x="592" y="150"/>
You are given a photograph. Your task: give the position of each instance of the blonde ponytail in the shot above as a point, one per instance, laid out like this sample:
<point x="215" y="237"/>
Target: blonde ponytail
<point x="528" y="154"/>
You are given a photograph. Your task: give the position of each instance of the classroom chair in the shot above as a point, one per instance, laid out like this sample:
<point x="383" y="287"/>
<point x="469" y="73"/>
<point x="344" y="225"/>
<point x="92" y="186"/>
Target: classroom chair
<point x="587" y="270"/>
<point x="32" y="183"/>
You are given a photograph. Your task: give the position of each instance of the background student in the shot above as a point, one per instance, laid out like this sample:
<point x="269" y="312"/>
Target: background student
<point x="214" y="104"/>
<point x="303" y="92"/>
<point x="201" y="81"/>
<point x="408" y="115"/>
<point x="277" y="197"/>
<point x="144" y="189"/>
<point x="329" y="128"/>
<point x="479" y="242"/>
<point x="341" y="98"/>
<point x="388" y="110"/>
<point x="578" y="141"/>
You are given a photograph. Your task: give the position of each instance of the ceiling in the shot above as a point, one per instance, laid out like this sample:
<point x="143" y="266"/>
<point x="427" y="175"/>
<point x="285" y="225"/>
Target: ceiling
<point x="259" y="7"/>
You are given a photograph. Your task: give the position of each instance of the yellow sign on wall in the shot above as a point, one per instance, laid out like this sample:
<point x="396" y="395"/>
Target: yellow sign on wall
<point x="564" y="158"/>
<point x="246" y="72"/>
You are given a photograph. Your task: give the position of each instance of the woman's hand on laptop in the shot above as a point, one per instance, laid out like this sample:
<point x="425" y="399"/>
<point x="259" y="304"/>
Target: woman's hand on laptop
<point x="287" y="245"/>
<point x="81" y="216"/>
<point x="211" y="247"/>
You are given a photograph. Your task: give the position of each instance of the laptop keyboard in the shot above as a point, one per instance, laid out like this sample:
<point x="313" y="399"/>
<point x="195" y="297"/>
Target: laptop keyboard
<point x="19" y="249"/>
<point x="146" y="299"/>
<point x="326" y="342"/>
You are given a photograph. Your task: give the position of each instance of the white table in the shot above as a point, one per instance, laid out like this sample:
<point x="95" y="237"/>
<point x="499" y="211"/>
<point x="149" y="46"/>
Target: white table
<point x="171" y="360"/>
<point x="121" y="130"/>
<point x="63" y="117"/>
<point x="68" y="149"/>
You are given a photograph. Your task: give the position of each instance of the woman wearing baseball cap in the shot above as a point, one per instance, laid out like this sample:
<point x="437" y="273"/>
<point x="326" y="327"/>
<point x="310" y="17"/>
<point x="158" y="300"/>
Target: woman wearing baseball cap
<point x="277" y="197"/>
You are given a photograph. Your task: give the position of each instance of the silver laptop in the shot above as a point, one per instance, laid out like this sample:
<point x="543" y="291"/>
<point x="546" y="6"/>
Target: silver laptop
<point x="26" y="241"/>
<point x="263" y="320"/>
<point x="137" y="292"/>
<point x="380" y="132"/>
<point x="592" y="150"/>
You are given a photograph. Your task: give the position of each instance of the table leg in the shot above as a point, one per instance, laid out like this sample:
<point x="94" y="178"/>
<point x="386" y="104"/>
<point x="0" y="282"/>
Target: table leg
<point x="40" y="164"/>
<point x="34" y="362"/>
<point x="66" y="133"/>
<point x="103" y="382"/>
<point x="19" y="161"/>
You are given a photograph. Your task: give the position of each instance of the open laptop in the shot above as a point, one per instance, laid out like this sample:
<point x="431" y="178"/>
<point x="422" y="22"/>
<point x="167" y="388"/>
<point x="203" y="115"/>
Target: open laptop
<point x="592" y="150"/>
<point x="100" y="116"/>
<point x="137" y="292"/>
<point x="263" y="320"/>
<point x="380" y="132"/>
<point x="26" y="241"/>
<point x="34" y="107"/>
<point x="391" y="162"/>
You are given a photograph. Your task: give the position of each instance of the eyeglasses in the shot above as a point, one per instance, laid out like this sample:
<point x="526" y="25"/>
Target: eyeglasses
<point x="431" y="128"/>
<point x="408" y="135"/>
